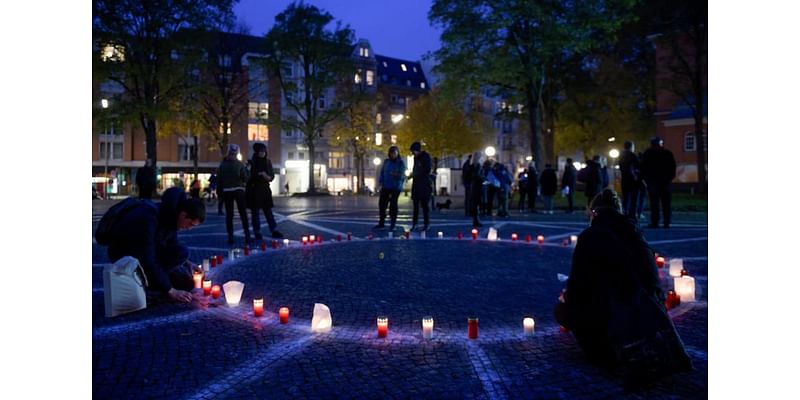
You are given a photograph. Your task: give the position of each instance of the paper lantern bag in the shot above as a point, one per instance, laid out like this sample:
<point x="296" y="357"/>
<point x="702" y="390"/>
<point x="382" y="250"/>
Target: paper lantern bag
<point x="123" y="287"/>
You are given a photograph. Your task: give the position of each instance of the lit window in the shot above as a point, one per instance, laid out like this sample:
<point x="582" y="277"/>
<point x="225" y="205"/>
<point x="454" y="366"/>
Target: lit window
<point x="370" y="78"/>
<point x="688" y="141"/>
<point x="113" y="52"/>
<point x="258" y="111"/>
<point x="378" y="139"/>
<point x="257" y="132"/>
<point x="403" y="67"/>
<point x="422" y="85"/>
<point x="357" y="78"/>
<point x="222" y="128"/>
<point x="394" y="139"/>
<point x="378" y="119"/>
<point x="385" y="65"/>
<point x="364" y="52"/>
<point x="397" y="118"/>
<point x="414" y="68"/>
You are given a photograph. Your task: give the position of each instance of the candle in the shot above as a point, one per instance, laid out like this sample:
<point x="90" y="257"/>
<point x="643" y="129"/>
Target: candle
<point x="258" y="307"/>
<point x="407" y="234"/>
<point x="527" y="325"/>
<point x="286" y="242"/>
<point x="233" y="292"/>
<point x="472" y="328"/>
<point x="492" y="234"/>
<point x="206" y="265"/>
<point x="684" y="272"/>
<point x="231" y="254"/>
<point x="528" y="238"/>
<point x="274" y="244"/>
<point x="513" y="237"/>
<point x="198" y="279"/>
<point x="349" y="234"/>
<point x="573" y="239"/>
<point x="440" y="234"/>
<point x="312" y="238"/>
<point x="459" y="235"/>
<point x="215" y="291"/>
<point x="474" y="234"/>
<point x="319" y="239"/>
<point x="304" y="240"/>
<point x="284" y="315"/>
<point x="246" y="250"/>
<point x="383" y="327"/>
<point x="673" y="300"/>
<point x="213" y="261"/>
<point x="219" y="259"/>
<point x="339" y="238"/>
<point x="427" y="327"/>
<point x="684" y="287"/>
<point x="660" y="261"/>
<point x="263" y="246"/>
<point x="422" y="234"/>
<point x="207" y="287"/>
<point x="540" y="239"/>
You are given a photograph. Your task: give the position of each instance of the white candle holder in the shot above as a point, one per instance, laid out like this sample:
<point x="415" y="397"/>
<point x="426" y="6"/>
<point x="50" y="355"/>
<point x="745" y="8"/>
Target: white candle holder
<point x="427" y="327"/>
<point x="206" y="265"/>
<point x="492" y="234"/>
<point x="321" y="320"/>
<point x="684" y="287"/>
<point x="440" y="234"/>
<point x="233" y="292"/>
<point x="286" y="242"/>
<point x="528" y="326"/>
<point x="675" y="267"/>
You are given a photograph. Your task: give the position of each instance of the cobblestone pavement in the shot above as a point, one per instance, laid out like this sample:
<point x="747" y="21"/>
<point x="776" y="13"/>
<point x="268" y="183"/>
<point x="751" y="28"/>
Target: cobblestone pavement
<point x="215" y="351"/>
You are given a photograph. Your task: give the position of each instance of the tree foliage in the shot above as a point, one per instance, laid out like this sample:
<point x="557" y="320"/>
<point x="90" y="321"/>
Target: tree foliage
<point x="355" y="131"/>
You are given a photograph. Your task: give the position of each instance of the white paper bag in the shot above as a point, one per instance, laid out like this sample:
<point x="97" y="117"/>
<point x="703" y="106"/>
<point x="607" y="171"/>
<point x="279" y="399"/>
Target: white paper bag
<point x="321" y="321"/>
<point x="123" y="287"/>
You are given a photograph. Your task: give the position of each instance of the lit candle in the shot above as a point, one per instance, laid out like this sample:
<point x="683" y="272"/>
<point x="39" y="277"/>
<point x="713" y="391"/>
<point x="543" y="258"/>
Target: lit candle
<point x="312" y="238"/>
<point x="206" y="265"/>
<point x="284" y="314"/>
<point x="472" y="328"/>
<point x="349" y="235"/>
<point x="286" y="242"/>
<point x="460" y="235"/>
<point x="492" y="234"/>
<point x="263" y="246"/>
<point x="573" y="239"/>
<point x="213" y="261"/>
<point x="198" y="279"/>
<point x="383" y="327"/>
<point x="684" y="272"/>
<point x="673" y="300"/>
<point x="540" y="239"/>
<point x="274" y="244"/>
<point x="660" y="261"/>
<point x="305" y="240"/>
<point x="440" y="234"/>
<point x="407" y="234"/>
<point x="219" y="259"/>
<point x="215" y="291"/>
<point x="528" y="238"/>
<point x="258" y="307"/>
<point x="675" y="267"/>
<point x="527" y="325"/>
<point x="474" y="234"/>
<point x="246" y="250"/>
<point x="207" y="287"/>
<point x="513" y="237"/>
<point x="339" y="238"/>
<point x="427" y="327"/>
<point x="684" y="287"/>
<point x="319" y="239"/>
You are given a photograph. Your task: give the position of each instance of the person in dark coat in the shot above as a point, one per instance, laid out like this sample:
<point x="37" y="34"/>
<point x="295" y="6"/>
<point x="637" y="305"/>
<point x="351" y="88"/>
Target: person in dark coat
<point x="390" y="180"/>
<point x="149" y="233"/>
<point x="549" y="184"/>
<point x="146" y="180"/>
<point x="476" y="189"/>
<point x="501" y="173"/>
<point x="421" y="185"/>
<point x="466" y="180"/>
<point x="613" y="294"/>
<point x="630" y="179"/>
<point x="568" y="181"/>
<point x="591" y="178"/>
<point x="522" y="189"/>
<point x="194" y="189"/>
<point x="658" y="171"/>
<point x="487" y="189"/>
<point x="259" y="193"/>
<point x="533" y="186"/>
<point x="233" y="177"/>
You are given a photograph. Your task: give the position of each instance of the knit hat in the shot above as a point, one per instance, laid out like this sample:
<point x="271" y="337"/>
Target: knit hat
<point x="258" y="146"/>
<point x="416" y="146"/>
<point x="233" y="149"/>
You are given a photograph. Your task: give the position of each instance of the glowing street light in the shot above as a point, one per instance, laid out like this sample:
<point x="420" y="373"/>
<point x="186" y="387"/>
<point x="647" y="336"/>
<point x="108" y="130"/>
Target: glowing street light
<point x="611" y="139"/>
<point x="490" y="151"/>
<point x="376" y="161"/>
<point x="614" y="153"/>
<point x="104" y="103"/>
<point x="397" y="118"/>
<point x="529" y="158"/>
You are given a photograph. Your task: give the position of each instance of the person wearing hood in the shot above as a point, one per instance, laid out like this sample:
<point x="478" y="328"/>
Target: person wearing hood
<point x="149" y="233"/>
<point x="421" y="185"/>
<point x="233" y="177"/>
<point x="259" y="194"/>
<point x="390" y="180"/>
<point x="613" y="302"/>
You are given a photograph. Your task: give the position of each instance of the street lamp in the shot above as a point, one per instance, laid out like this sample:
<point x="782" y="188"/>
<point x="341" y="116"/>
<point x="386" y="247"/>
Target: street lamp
<point x="104" y="104"/>
<point x="614" y="153"/>
<point x="376" y="161"/>
<point x="490" y="151"/>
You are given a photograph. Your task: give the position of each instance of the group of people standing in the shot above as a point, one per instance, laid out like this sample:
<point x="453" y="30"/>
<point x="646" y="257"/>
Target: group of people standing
<point x="651" y="174"/>
<point x="392" y="178"/>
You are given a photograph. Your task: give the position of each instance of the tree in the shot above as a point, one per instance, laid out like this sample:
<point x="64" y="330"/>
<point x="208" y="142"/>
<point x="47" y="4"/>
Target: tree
<point x="300" y="37"/>
<point x="515" y="45"/>
<point x="355" y="131"/>
<point x="441" y="124"/>
<point x="144" y="48"/>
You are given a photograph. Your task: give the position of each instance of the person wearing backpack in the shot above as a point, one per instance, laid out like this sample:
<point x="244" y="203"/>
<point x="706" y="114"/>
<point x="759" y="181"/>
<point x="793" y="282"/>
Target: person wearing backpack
<point x="149" y="232"/>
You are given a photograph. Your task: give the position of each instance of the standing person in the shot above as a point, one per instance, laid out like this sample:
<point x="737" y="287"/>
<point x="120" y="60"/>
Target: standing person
<point x="603" y="173"/>
<point x="549" y="184"/>
<point x="493" y="186"/>
<point x="568" y="183"/>
<point x="591" y="178"/>
<point x="194" y="189"/>
<point x="502" y="174"/>
<point x="149" y="233"/>
<point x="466" y="181"/>
<point x="146" y="180"/>
<point x="522" y="189"/>
<point x="486" y="201"/>
<point x="232" y="182"/>
<point x="476" y="189"/>
<point x="533" y="186"/>
<point x="259" y="193"/>
<point x="613" y="303"/>
<point x="390" y="181"/>
<point x="658" y="170"/>
<point x="642" y="192"/>
<point x="421" y="187"/>
<point x="630" y="179"/>
<point x="212" y="188"/>
<point x="434" y="167"/>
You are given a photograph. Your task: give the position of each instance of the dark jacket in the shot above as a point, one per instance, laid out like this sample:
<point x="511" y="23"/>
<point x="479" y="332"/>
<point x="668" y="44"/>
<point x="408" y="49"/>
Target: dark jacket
<point x="147" y="231"/>
<point x="477" y="176"/>
<point x="259" y="194"/>
<point x="658" y="166"/>
<point x="146" y="179"/>
<point x="590" y="176"/>
<point x="533" y="180"/>
<point x="393" y="174"/>
<point x="466" y="170"/>
<point x="549" y="182"/>
<point x="421" y="185"/>
<point x="629" y="169"/>
<point x="568" y="179"/>
<point x="232" y="174"/>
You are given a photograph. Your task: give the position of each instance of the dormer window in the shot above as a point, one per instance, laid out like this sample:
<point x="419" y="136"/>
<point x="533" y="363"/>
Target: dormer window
<point x="363" y="52"/>
<point x="415" y="69"/>
<point x="422" y="85"/>
<point x="385" y="65"/>
<point x="403" y="67"/>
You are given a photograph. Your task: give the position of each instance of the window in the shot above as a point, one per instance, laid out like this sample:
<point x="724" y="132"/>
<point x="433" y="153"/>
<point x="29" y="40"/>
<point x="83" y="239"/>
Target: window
<point x="378" y="118"/>
<point x="403" y="67"/>
<point x="422" y="85"/>
<point x="111" y="148"/>
<point x="222" y="128"/>
<point x="357" y="78"/>
<point x="291" y="155"/>
<point x="185" y="152"/>
<point x="336" y="159"/>
<point x="364" y="52"/>
<point x="370" y="77"/>
<point x="224" y="60"/>
<point x="257" y="132"/>
<point x="318" y="156"/>
<point x="289" y="97"/>
<point x="258" y="111"/>
<point x="301" y="155"/>
<point x="112" y="52"/>
<point x="385" y="65"/>
<point x="689" y="142"/>
<point x="394" y="139"/>
<point x="414" y="68"/>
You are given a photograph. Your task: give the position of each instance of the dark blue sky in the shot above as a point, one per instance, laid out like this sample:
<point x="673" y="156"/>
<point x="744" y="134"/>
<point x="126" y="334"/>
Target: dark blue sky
<point x="394" y="28"/>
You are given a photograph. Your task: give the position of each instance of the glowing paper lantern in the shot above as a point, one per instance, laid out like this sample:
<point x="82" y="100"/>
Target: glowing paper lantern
<point x="675" y="267"/>
<point x="684" y="287"/>
<point x="233" y="292"/>
<point x="383" y="327"/>
<point x="321" y="321"/>
<point x="427" y="327"/>
<point x="423" y="234"/>
<point x="198" y="279"/>
<point x="573" y="239"/>
<point x="492" y="234"/>
<point x="440" y="234"/>
<point x="527" y="326"/>
<point x="540" y="239"/>
<point x="286" y="242"/>
<point x="206" y="265"/>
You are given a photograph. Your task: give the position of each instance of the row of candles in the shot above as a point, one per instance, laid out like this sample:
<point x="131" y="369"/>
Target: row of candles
<point x="683" y="284"/>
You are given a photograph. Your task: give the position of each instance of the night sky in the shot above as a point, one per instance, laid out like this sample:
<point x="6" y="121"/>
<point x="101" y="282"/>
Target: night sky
<point x="394" y="28"/>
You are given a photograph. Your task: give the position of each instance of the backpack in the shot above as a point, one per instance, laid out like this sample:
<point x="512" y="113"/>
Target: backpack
<point x="105" y="227"/>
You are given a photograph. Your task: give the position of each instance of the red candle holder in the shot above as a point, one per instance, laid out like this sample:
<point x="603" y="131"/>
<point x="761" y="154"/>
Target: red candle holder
<point x="263" y="246"/>
<point x="213" y="261"/>
<point x="246" y="250"/>
<point x="561" y="329"/>
<point x="472" y="328"/>
<point x="207" y="287"/>
<point x="349" y="235"/>
<point x="258" y="307"/>
<point x="513" y="237"/>
<point x="319" y="239"/>
<point x="219" y="259"/>
<point x="338" y="238"/>
<point x="274" y="244"/>
<point x="673" y="299"/>
<point x="684" y="272"/>
<point x="383" y="327"/>
<point x="284" y="315"/>
<point x="660" y="262"/>
<point x="407" y="234"/>
<point x="528" y="238"/>
<point x="459" y="235"/>
<point x="215" y="291"/>
<point x="540" y="239"/>
<point x="304" y="239"/>
<point x="474" y="234"/>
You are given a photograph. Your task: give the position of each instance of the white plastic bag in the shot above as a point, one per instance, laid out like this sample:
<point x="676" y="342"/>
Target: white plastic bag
<point x="123" y="287"/>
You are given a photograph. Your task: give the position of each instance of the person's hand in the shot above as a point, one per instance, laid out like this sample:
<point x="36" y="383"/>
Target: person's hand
<point x="179" y="296"/>
<point x="193" y="267"/>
